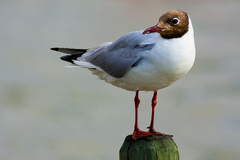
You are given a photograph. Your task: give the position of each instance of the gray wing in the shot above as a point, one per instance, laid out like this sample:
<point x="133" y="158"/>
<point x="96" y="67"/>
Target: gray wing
<point x="117" y="58"/>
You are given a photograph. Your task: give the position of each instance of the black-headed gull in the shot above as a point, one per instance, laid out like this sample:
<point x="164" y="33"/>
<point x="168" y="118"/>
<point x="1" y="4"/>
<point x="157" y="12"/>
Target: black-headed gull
<point x="146" y="60"/>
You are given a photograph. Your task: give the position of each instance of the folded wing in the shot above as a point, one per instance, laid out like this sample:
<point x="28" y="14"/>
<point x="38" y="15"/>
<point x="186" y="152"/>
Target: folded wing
<point x="114" y="58"/>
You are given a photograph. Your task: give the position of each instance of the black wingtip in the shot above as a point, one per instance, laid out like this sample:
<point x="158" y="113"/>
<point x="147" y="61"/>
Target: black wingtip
<point x="70" y="58"/>
<point x="67" y="58"/>
<point x="55" y="49"/>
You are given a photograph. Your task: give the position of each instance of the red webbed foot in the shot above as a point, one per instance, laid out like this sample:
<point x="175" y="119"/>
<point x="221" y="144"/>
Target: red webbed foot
<point x="139" y="133"/>
<point x="153" y="132"/>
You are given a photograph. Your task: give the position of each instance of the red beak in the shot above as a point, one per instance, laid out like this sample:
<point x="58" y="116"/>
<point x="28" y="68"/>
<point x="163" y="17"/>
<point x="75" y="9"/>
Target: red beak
<point x="153" y="29"/>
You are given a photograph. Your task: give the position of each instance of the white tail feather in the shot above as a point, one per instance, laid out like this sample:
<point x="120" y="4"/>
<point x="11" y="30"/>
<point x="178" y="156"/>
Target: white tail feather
<point x="86" y="65"/>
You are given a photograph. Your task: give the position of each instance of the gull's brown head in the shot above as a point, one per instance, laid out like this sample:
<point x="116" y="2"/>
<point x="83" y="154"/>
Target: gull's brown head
<point x="172" y="24"/>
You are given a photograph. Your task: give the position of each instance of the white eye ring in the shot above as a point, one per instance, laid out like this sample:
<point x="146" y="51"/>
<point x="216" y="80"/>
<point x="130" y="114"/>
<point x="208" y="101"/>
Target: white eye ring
<point x="175" y="21"/>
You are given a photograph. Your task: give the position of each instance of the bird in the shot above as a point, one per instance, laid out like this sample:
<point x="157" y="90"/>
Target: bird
<point x="144" y="60"/>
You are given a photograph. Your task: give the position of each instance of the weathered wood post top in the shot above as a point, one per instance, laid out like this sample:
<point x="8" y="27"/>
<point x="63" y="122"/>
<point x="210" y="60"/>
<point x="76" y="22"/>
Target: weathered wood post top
<point x="149" y="148"/>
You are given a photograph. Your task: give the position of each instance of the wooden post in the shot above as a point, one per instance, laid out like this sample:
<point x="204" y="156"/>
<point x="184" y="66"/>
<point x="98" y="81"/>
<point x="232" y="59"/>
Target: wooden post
<point x="149" y="148"/>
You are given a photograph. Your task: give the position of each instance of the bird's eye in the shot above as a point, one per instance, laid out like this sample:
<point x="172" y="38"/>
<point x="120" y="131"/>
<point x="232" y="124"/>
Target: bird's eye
<point x="175" y="21"/>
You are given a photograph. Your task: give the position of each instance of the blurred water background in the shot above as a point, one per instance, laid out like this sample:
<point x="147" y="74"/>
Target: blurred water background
<point x="54" y="113"/>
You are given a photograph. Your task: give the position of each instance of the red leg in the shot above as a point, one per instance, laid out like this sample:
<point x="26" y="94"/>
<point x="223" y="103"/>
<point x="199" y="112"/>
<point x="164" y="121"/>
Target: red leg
<point x="137" y="132"/>
<point x="151" y="127"/>
<point x="154" y="103"/>
<point x="137" y="102"/>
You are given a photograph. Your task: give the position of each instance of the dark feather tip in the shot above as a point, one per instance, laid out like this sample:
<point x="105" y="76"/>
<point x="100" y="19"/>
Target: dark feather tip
<point x="55" y="49"/>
